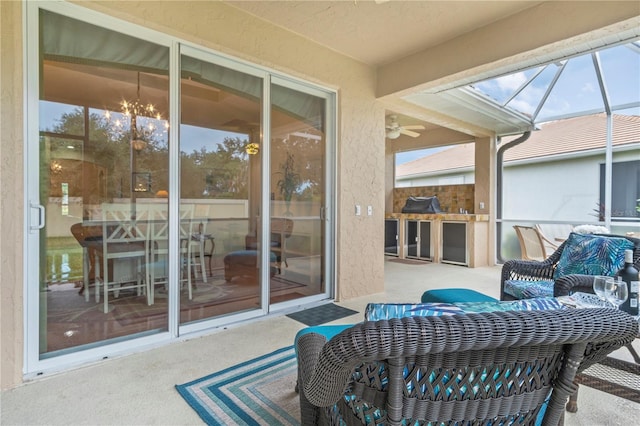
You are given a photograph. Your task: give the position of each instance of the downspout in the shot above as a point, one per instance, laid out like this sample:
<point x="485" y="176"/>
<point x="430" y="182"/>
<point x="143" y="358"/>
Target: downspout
<point x="500" y="156"/>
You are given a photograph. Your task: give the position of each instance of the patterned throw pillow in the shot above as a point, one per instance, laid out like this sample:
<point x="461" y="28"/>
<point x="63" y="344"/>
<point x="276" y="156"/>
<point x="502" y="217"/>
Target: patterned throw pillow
<point x="592" y="255"/>
<point x="522" y="289"/>
<point x="382" y="311"/>
<point x="538" y="304"/>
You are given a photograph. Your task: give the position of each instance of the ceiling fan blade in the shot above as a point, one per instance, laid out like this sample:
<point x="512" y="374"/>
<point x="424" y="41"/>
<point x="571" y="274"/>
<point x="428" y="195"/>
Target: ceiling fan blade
<point x="414" y="127"/>
<point x="404" y="131"/>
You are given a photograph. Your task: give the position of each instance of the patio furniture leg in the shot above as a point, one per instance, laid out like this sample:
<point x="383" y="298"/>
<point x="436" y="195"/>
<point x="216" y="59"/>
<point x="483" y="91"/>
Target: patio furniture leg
<point x="572" y="405"/>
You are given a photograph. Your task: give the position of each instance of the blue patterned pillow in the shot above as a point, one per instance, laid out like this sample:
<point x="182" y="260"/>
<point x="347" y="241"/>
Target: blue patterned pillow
<point x="592" y="255"/>
<point x="382" y="311"/>
<point x="539" y="304"/>
<point x="521" y="289"/>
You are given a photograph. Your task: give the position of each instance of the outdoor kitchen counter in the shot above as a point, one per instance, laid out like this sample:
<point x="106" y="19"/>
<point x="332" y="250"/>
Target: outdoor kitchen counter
<point x="440" y="216"/>
<point x="461" y="239"/>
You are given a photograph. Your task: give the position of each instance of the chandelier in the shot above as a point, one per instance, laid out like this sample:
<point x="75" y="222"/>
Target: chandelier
<point x="141" y="118"/>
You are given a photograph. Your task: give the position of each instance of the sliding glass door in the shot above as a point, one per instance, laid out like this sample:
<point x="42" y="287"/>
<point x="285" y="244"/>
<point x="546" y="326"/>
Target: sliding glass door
<point x="103" y="155"/>
<point x="221" y="174"/>
<point x="170" y="189"/>
<point x="298" y="191"/>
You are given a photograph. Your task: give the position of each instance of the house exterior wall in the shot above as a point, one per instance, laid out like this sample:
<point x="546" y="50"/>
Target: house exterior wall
<point x="466" y="177"/>
<point x="527" y="187"/>
<point x="12" y="189"/>
<point x="566" y="189"/>
<point x="217" y="26"/>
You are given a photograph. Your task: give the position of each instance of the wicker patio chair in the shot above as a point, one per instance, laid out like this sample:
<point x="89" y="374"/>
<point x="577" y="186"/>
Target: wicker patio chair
<point x="531" y="244"/>
<point x="536" y="271"/>
<point x="484" y="368"/>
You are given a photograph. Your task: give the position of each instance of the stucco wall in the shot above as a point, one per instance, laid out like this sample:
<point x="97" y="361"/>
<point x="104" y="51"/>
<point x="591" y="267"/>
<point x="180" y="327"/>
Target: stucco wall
<point x="224" y="29"/>
<point x="11" y="189"/>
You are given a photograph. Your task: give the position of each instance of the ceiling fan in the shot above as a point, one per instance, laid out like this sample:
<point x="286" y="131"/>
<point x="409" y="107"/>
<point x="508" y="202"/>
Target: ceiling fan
<point x="394" y="130"/>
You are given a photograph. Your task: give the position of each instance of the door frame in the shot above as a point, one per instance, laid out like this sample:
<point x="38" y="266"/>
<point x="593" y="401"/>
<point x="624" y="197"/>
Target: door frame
<point x="34" y="217"/>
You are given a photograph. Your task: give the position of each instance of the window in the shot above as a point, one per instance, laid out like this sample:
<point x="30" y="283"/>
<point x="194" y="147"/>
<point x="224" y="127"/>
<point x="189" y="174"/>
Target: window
<point x="625" y="191"/>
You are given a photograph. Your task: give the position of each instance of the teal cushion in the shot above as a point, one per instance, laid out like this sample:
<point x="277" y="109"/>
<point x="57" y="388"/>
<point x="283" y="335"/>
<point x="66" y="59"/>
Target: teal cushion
<point x="522" y="289"/>
<point x="452" y="295"/>
<point x="592" y="255"/>
<point x="328" y="331"/>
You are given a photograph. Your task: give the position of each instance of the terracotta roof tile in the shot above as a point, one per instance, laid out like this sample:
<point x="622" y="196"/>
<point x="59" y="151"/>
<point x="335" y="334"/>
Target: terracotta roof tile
<point x="556" y="137"/>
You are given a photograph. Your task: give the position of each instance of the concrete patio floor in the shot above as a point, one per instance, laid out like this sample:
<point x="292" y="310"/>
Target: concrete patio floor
<point x="138" y="389"/>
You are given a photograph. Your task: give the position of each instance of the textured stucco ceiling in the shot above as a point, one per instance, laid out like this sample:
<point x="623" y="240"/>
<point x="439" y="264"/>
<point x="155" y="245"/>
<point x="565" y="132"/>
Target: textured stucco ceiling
<point x="379" y="32"/>
<point x="425" y="50"/>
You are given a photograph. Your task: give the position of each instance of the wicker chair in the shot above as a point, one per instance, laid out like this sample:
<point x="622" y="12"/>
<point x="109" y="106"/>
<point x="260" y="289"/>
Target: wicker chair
<point x="484" y="368"/>
<point x="531" y="243"/>
<point x="530" y="270"/>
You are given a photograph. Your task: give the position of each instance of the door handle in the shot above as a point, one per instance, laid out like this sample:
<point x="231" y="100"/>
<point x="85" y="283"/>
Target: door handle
<point x="41" y="217"/>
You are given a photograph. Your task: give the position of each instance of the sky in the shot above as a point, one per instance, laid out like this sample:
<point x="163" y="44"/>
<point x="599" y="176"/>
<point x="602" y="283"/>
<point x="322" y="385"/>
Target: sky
<point x="405" y="157"/>
<point x="576" y="90"/>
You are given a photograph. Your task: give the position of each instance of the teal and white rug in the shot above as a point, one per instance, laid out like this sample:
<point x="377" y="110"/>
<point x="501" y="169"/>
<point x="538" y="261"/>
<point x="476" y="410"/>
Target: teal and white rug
<point x="257" y="392"/>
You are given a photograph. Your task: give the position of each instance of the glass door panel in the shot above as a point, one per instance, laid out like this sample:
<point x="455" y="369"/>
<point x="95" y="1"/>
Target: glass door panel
<point x="298" y="182"/>
<point x="103" y="153"/>
<point x="220" y="162"/>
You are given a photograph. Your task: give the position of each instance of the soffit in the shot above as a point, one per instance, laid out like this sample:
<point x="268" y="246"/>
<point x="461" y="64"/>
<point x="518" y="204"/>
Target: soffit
<point x="380" y="32"/>
<point x="394" y="36"/>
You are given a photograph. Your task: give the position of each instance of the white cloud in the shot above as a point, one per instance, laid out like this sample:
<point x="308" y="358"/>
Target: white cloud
<point x="588" y="88"/>
<point x="511" y="82"/>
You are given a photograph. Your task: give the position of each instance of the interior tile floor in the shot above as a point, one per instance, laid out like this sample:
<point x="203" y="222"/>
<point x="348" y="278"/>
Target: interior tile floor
<point x="138" y="389"/>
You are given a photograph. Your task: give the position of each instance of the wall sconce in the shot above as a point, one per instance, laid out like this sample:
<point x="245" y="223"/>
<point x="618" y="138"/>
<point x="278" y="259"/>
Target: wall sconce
<point x="252" y="148"/>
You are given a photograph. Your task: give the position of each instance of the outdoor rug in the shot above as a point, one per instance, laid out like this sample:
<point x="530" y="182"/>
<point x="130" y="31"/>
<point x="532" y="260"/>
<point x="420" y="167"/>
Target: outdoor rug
<point x="257" y="392"/>
<point x="321" y="314"/>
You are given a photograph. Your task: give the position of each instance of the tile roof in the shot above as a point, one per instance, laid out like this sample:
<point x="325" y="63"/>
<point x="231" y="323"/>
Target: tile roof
<point x="559" y="137"/>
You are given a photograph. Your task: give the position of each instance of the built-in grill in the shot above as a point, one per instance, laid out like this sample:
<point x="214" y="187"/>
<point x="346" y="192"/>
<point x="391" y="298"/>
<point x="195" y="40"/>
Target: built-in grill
<point x="422" y="205"/>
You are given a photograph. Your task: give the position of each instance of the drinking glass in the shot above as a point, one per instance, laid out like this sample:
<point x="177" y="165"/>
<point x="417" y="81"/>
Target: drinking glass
<point x="599" y="283"/>
<point x="616" y="292"/>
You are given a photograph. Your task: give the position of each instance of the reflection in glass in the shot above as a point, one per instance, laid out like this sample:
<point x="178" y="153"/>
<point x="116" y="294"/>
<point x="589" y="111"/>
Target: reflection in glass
<point x="92" y="292"/>
<point x="298" y="144"/>
<point x="220" y="182"/>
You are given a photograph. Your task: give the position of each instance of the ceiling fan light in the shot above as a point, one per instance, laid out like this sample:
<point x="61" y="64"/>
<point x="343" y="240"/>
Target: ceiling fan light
<point x="393" y="134"/>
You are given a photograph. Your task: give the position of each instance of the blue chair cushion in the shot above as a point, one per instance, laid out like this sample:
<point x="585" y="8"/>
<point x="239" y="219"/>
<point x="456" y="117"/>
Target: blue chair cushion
<point x="522" y="289"/>
<point x="452" y="295"/>
<point x="592" y="255"/>
<point x="327" y="331"/>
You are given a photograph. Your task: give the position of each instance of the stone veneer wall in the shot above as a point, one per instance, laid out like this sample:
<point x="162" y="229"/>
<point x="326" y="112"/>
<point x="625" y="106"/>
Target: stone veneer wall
<point x="452" y="198"/>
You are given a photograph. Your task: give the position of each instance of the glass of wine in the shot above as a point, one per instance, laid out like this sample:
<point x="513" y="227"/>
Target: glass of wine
<point x="616" y="292"/>
<point x="599" y="285"/>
